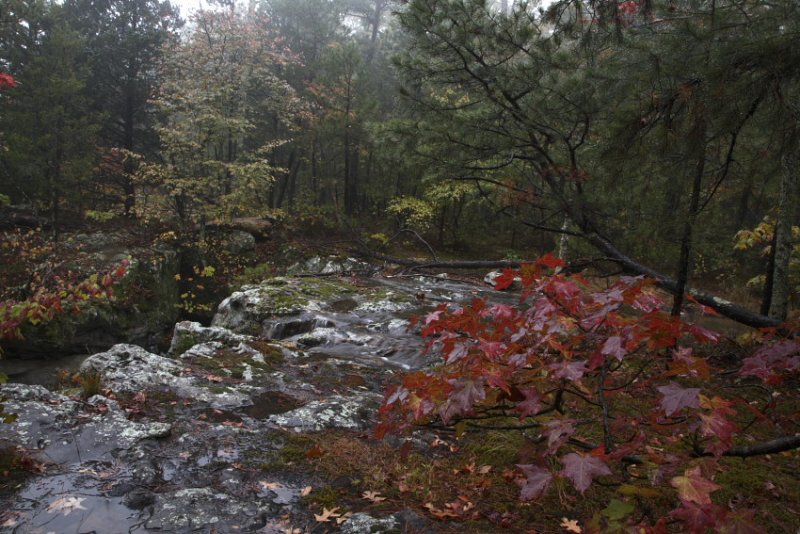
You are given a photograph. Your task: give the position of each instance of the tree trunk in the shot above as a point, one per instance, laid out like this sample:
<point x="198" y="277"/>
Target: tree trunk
<point x="698" y="145"/>
<point x="782" y="244"/>
<point x="128" y="119"/>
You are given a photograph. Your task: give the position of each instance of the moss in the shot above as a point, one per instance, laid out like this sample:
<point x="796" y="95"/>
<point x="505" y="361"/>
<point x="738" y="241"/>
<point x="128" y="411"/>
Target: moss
<point x="325" y="496"/>
<point x="186" y="342"/>
<point x="764" y="484"/>
<point x="237" y="372"/>
<point x="495" y="447"/>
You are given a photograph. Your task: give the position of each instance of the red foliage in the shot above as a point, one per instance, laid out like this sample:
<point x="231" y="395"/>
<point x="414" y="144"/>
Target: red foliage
<point x="562" y="360"/>
<point x="7" y="81"/>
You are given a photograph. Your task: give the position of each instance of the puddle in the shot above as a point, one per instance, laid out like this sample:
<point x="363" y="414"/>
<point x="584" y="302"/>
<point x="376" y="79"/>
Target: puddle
<point x="41" y="371"/>
<point x="271" y="403"/>
<point x="283" y="494"/>
<point x="64" y="504"/>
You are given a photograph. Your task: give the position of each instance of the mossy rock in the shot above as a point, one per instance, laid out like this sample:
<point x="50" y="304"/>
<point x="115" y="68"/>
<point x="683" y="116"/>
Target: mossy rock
<point x="247" y="310"/>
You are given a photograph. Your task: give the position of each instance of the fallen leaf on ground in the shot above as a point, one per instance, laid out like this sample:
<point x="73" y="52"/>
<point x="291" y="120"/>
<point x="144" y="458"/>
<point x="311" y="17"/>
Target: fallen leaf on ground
<point x="9" y="520"/>
<point x="305" y="491"/>
<point x="373" y="496"/>
<point x="66" y="505"/>
<point x="345" y="517"/>
<point x="571" y="525"/>
<point x="315" y="452"/>
<point x="327" y="515"/>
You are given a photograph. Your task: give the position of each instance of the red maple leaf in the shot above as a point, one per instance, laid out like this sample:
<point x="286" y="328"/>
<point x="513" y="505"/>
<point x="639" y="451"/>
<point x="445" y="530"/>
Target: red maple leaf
<point x="568" y="370"/>
<point x="505" y="280"/>
<point x="558" y="432"/>
<point x="548" y="260"/>
<point x="717" y="425"/>
<point x="537" y="480"/>
<point x="677" y="398"/>
<point x="582" y="469"/>
<point x="464" y="395"/>
<point x="692" y="487"/>
<point x="699" y="518"/>
<point x="614" y="346"/>
<point x="531" y="405"/>
<point x="771" y="359"/>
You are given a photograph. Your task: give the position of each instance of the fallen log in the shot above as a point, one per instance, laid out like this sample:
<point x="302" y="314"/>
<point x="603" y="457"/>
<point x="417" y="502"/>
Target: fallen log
<point x="724" y="307"/>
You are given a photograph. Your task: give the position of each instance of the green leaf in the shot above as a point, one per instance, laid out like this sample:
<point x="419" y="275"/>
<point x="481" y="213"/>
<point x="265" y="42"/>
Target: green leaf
<point x="618" y="510"/>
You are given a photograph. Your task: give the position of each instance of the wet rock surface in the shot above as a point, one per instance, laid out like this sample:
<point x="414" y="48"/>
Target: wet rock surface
<point x="188" y="441"/>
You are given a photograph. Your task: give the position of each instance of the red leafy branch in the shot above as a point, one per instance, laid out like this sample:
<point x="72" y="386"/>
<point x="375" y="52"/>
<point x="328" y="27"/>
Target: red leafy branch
<point x="567" y="357"/>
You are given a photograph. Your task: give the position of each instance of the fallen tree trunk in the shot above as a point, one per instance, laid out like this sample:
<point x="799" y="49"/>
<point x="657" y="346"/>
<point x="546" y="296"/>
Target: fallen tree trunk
<point x="724" y="307"/>
<point x="477" y="264"/>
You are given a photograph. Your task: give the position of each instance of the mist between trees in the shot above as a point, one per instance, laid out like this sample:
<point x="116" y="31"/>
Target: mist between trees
<point x="660" y="136"/>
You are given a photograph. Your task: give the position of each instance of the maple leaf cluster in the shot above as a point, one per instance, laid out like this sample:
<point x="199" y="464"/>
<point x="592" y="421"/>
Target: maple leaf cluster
<point x="57" y="295"/>
<point x="561" y="361"/>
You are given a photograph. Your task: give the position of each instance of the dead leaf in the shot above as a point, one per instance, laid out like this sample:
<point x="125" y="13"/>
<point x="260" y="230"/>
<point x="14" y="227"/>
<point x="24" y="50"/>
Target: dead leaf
<point x="315" y="452"/>
<point x="10" y="519"/>
<point x="485" y="469"/>
<point x="438" y="442"/>
<point x="373" y="496"/>
<point x="327" y="515"/>
<point x="66" y="505"/>
<point x="571" y="525"/>
<point x="345" y="517"/>
<point x="233" y="424"/>
<point x="305" y="492"/>
<point x="440" y="514"/>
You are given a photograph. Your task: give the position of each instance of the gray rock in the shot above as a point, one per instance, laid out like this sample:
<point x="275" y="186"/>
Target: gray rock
<point x="50" y="422"/>
<point x="130" y="369"/>
<point x="329" y="265"/>
<point x="254" y="309"/>
<point x="202" y="508"/>
<point x="362" y="523"/>
<point x="187" y="334"/>
<point x="238" y="241"/>
<point x="354" y="413"/>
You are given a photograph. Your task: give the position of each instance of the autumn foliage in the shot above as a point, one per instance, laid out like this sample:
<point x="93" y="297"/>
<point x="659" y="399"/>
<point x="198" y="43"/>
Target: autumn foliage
<point x="608" y="388"/>
<point x="7" y="81"/>
<point x="47" y="290"/>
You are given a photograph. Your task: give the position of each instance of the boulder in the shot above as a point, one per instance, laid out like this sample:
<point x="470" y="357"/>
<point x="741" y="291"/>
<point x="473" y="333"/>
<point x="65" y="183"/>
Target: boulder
<point x="253" y="309"/>
<point x="188" y="334"/>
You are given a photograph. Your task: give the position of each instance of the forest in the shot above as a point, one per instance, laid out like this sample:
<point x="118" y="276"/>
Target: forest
<point x="632" y="168"/>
